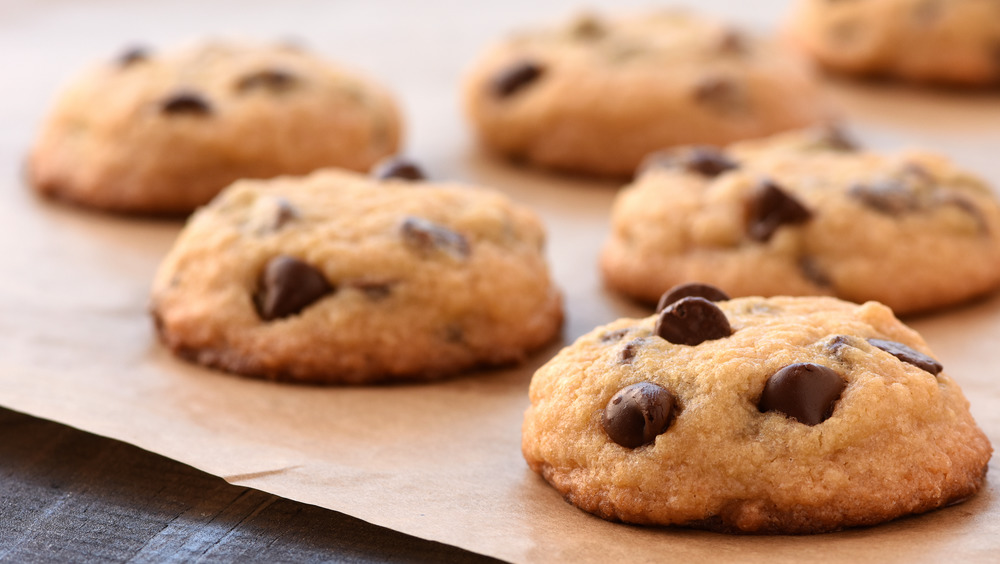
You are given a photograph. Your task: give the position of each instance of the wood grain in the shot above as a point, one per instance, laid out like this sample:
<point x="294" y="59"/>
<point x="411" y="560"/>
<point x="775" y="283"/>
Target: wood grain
<point x="69" y="496"/>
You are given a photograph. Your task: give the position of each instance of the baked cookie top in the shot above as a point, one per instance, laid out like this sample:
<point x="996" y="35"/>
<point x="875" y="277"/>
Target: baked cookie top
<point x="805" y="213"/>
<point x="340" y="278"/>
<point x="599" y="93"/>
<point x="780" y="415"/>
<point x="953" y="41"/>
<point x="163" y="132"/>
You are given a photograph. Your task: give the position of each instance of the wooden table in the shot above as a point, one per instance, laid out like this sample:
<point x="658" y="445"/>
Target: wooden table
<point x="69" y="496"/>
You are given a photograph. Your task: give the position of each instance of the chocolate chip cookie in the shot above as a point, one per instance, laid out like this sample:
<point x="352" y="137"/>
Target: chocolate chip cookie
<point x="163" y="132"/>
<point x="341" y="278"/>
<point x="754" y="415"/>
<point x="806" y="213"/>
<point x="940" y="41"/>
<point x="598" y="94"/>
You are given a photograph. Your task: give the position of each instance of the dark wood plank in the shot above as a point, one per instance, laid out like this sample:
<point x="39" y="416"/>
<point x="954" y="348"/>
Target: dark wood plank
<point x="69" y="496"/>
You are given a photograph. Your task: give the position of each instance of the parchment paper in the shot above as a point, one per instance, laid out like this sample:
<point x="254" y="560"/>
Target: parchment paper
<point x="440" y="461"/>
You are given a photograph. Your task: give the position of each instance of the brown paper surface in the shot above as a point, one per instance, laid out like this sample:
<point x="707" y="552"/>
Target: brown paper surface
<point x="439" y="461"/>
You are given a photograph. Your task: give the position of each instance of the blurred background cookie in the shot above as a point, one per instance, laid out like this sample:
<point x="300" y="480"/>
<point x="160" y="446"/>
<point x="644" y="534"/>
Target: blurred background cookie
<point x="937" y="41"/>
<point x="163" y="132"/>
<point x="342" y="278"/>
<point x="597" y="94"/>
<point x="806" y="213"/>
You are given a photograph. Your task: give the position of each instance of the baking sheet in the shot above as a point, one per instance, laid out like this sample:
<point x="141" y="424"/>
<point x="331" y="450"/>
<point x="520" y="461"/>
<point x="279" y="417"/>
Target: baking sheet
<point x="439" y="461"/>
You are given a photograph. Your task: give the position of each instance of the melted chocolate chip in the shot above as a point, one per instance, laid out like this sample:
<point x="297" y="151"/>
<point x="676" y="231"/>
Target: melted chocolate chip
<point x="692" y="321"/>
<point x="966" y="206"/>
<point x="709" y="161"/>
<point x="720" y="93"/>
<point x="732" y="42"/>
<point x="704" y="160"/>
<point x="454" y="333"/>
<point x="187" y="103"/>
<point x="287" y="286"/>
<point x="271" y="214"/>
<point x="838" y="342"/>
<point x="805" y="392"/>
<point x="812" y="272"/>
<point x="628" y="352"/>
<point x="284" y="213"/>
<point x="271" y="80"/>
<point x="375" y="291"/>
<point x="888" y="196"/>
<point x="769" y="208"/>
<point x="133" y="55"/>
<point x="516" y="77"/>
<point x="398" y="168"/>
<point x="637" y="414"/>
<point x="427" y="237"/>
<point x="588" y="27"/>
<point x="691" y="290"/>
<point x="908" y="355"/>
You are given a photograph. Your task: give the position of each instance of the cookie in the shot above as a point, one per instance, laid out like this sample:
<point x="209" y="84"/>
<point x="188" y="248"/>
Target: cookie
<point x="936" y="41"/>
<point x="805" y="213"/>
<point x="598" y="94"/>
<point x="341" y="278"/>
<point x="162" y="133"/>
<point x="754" y="415"/>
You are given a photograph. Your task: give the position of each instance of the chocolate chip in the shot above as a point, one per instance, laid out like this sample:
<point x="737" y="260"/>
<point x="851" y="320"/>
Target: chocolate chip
<point x="888" y="196"/>
<point x="812" y="272"/>
<point x="454" y="333"/>
<point x="133" y="55"/>
<point x="398" y="168"/>
<point x="704" y="160"/>
<point x="838" y="342"/>
<point x="709" y="161"/>
<point x="287" y="286"/>
<point x="588" y="27"/>
<point x="270" y="214"/>
<point x="375" y="291"/>
<point x="272" y="80"/>
<point x="721" y="93"/>
<point x="284" y="213"/>
<point x="426" y="237"/>
<point x="516" y="77"/>
<point x="691" y="290"/>
<point x="805" y="392"/>
<point x="769" y="208"/>
<point x="967" y="206"/>
<point x="628" y="352"/>
<point x="691" y="321"/>
<point x="908" y="355"/>
<point x="732" y="42"/>
<point x="188" y="103"/>
<point x="637" y="414"/>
